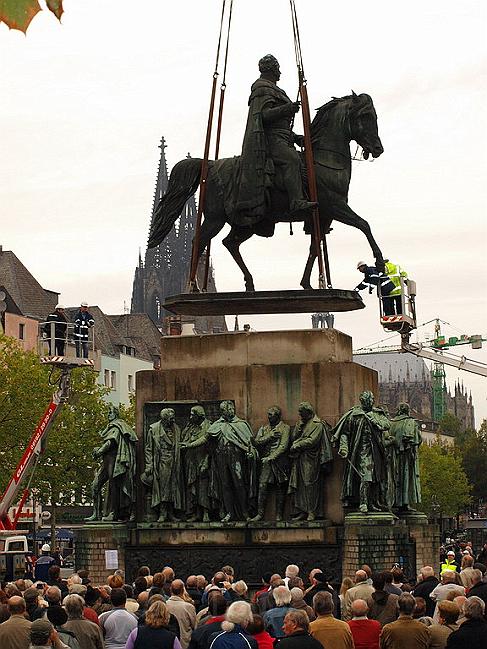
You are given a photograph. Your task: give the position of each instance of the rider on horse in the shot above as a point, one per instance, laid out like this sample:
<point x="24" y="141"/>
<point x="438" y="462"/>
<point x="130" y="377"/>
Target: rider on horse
<point x="268" y="143"/>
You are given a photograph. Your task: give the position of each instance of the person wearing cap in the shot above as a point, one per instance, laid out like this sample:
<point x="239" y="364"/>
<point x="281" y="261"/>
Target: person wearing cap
<point x="56" y="331"/>
<point x="449" y="563"/>
<point x="319" y="583"/>
<point x="82" y="325"/>
<point x="43" y="635"/>
<point x="388" y="281"/>
<point x="43" y="563"/>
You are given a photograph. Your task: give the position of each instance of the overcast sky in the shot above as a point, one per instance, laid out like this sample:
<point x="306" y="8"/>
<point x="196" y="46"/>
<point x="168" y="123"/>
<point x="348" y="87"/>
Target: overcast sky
<point x="83" y="105"/>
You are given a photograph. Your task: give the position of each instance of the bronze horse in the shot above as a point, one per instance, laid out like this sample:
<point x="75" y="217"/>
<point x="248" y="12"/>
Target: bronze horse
<point x="334" y="126"/>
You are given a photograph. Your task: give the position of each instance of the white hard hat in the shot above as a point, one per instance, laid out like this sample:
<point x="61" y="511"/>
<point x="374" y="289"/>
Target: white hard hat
<point x="60" y="306"/>
<point x="46" y="548"/>
<point x="451" y="552"/>
<point x="361" y="263"/>
<point x="84" y="304"/>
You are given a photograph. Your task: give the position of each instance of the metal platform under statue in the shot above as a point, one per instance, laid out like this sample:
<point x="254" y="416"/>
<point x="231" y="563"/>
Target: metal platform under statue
<point x="264" y="302"/>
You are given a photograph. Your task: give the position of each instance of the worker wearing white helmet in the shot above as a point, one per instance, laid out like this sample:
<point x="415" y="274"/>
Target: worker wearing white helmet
<point x="389" y="283"/>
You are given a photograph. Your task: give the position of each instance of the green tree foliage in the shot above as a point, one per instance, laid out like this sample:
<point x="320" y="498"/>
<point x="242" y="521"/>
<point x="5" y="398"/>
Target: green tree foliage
<point x="450" y="425"/>
<point x="444" y="485"/>
<point x="65" y="470"/>
<point x="473" y="448"/>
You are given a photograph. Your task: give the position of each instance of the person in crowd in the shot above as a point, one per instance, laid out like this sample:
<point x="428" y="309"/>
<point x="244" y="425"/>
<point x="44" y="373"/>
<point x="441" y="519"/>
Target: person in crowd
<point x="92" y="597"/>
<point x="389" y="586"/>
<point x="158" y="583"/>
<point x="450" y="563"/>
<point x="365" y="632"/>
<point x="58" y="617"/>
<point x="264" y="589"/>
<point x="265" y="601"/>
<point x="448" y="583"/>
<point x="4" y="614"/>
<point x="298" y="603"/>
<point x="291" y="571"/>
<point x="346" y="584"/>
<point x="478" y="587"/>
<point x="330" y="632"/>
<point x="43" y="634"/>
<point x="398" y="579"/>
<point x="467" y="569"/>
<point x="296" y="628"/>
<point x="424" y="588"/>
<point x="117" y="624"/>
<point x="87" y="633"/>
<point x="382" y="606"/>
<point x="33" y="608"/>
<point x="131" y="604"/>
<point x="43" y="563"/>
<point x="368" y="571"/>
<point x="419" y="612"/>
<point x="182" y="610"/>
<point x="54" y="579"/>
<point x="447" y="623"/>
<point x="15" y="632"/>
<point x="154" y="634"/>
<point x="482" y="555"/>
<point x="220" y="581"/>
<point x="140" y="585"/>
<point x="229" y="572"/>
<point x="472" y="633"/>
<point x="361" y="590"/>
<point x="405" y="632"/>
<point x="319" y="583"/>
<point x="173" y="624"/>
<point x="234" y="633"/>
<point x="200" y="637"/>
<point x="274" y="617"/>
<point x="257" y="630"/>
<point x="193" y="591"/>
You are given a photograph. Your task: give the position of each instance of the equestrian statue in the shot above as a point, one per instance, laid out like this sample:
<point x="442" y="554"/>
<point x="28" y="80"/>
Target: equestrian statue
<point x="266" y="184"/>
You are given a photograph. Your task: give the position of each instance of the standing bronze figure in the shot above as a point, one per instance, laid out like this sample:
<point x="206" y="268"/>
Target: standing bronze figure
<point x="196" y="461"/>
<point x="361" y="434"/>
<point x="234" y="470"/>
<point x="310" y="453"/>
<point x="272" y="442"/>
<point x="163" y="470"/>
<point x="405" y="432"/>
<point x="117" y="471"/>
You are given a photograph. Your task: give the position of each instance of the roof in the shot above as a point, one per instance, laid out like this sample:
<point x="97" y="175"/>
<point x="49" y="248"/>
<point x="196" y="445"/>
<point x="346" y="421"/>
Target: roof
<point x="113" y="332"/>
<point x="32" y="300"/>
<point x="395" y="367"/>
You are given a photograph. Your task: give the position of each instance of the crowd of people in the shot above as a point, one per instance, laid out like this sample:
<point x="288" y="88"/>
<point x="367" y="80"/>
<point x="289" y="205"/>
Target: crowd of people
<point x="372" y="610"/>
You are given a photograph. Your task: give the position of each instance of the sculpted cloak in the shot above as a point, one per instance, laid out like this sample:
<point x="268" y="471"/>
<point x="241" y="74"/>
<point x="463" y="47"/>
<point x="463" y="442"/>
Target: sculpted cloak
<point x="405" y="431"/>
<point x="124" y="439"/>
<point x="311" y="452"/>
<point x="196" y="463"/>
<point x="163" y="465"/>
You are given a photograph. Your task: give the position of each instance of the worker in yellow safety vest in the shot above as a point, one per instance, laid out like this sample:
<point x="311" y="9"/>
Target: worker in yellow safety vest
<point x="388" y="284"/>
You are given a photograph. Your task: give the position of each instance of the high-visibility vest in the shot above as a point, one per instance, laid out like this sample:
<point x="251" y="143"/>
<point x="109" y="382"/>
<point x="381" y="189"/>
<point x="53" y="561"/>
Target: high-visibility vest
<point x="395" y="273"/>
<point x="448" y="566"/>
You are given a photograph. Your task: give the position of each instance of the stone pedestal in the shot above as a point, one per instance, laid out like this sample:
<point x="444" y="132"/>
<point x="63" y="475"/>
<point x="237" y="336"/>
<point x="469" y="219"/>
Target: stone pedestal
<point x="91" y="542"/>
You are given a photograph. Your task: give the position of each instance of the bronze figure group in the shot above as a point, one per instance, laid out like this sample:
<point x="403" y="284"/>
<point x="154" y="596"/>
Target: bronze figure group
<point x="221" y="470"/>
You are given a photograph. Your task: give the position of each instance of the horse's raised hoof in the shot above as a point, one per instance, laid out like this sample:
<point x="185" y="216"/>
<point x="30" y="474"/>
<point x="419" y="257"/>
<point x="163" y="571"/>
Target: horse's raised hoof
<point x="307" y="286"/>
<point x="249" y="286"/>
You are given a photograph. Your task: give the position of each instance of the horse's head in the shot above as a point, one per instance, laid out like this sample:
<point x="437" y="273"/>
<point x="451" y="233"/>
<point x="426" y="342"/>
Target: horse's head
<point x="363" y="125"/>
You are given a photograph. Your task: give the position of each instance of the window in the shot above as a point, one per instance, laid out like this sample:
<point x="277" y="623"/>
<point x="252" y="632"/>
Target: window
<point x="130" y="382"/>
<point x="106" y="378"/>
<point x="21" y="331"/>
<point x="113" y="380"/>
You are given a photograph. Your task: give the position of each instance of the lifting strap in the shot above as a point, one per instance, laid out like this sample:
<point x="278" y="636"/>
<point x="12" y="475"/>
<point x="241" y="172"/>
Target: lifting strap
<point x="323" y="262"/>
<point x="204" y="162"/>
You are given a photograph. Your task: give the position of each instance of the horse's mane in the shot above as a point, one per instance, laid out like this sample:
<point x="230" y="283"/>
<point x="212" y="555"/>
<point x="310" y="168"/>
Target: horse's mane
<point x="323" y="113"/>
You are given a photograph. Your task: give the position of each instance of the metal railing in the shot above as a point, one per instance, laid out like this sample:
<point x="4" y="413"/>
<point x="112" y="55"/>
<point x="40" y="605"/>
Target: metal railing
<point x="61" y="339"/>
<point x="398" y="312"/>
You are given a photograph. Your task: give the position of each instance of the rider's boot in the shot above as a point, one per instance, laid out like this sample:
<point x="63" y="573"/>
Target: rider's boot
<point x="301" y="206"/>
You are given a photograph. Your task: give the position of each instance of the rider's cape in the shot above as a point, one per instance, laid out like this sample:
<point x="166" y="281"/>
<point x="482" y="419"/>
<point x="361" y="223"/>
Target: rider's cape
<point x="256" y="169"/>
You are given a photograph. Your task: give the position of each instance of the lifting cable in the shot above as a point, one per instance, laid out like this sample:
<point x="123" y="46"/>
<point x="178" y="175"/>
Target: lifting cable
<point x="218" y="132"/>
<point x="204" y="162"/>
<point x="323" y="262"/>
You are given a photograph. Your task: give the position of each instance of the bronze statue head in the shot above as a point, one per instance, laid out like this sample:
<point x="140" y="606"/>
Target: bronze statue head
<point x="403" y="409"/>
<point x="274" y="415"/>
<point x="112" y="412"/>
<point x="227" y="410"/>
<point x="367" y="400"/>
<point x="306" y="411"/>
<point x="269" y="67"/>
<point x="168" y="417"/>
<point x="197" y="414"/>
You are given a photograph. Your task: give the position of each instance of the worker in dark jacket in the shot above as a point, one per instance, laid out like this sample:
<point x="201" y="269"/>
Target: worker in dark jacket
<point x="43" y="563"/>
<point x="82" y="325"/>
<point x="56" y="333"/>
<point x="388" y="284"/>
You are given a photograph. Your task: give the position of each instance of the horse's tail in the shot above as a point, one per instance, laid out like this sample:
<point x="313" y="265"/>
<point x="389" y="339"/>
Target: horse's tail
<point x="183" y="183"/>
